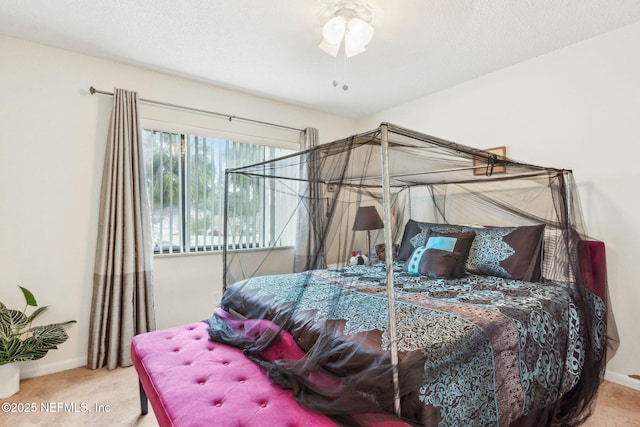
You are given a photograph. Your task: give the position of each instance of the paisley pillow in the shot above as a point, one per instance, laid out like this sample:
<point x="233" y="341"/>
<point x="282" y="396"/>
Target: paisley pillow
<point x="509" y="252"/>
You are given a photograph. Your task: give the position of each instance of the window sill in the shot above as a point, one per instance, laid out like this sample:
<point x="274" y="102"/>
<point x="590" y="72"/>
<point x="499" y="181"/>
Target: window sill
<point x="219" y="252"/>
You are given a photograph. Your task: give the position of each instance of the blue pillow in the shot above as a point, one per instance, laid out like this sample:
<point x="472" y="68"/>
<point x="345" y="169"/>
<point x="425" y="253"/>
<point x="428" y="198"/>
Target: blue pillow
<point x="442" y="243"/>
<point x="415" y="235"/>
<point x="413" y="263"/>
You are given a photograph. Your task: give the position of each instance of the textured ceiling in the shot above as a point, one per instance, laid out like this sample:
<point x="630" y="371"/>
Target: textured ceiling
<point x="270" y="47"/>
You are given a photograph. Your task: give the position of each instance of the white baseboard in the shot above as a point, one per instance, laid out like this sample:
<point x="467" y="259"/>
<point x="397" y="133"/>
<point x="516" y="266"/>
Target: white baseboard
<point x="622" y="380"/>
<point x="30" y="370"/>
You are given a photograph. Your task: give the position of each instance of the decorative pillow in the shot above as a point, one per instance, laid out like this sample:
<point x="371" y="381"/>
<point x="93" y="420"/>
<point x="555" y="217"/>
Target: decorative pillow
<point x="455" y="256"/>
<point x="437" y="264"/>
<point x="415" y="235"/>
<point x="406" y="247"/>
<point x="412" y="265"/>
<point x="420" y="239"/>
<point x="509" y="252"/>
<point x="443" y="256"/>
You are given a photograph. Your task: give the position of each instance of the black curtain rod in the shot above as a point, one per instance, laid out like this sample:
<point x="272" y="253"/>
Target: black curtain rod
<point x="93" y="91"/>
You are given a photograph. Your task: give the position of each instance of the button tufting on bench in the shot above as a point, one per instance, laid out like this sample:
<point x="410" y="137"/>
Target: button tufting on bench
<point x="182" y="378"/>
<point x="262" y="402"/>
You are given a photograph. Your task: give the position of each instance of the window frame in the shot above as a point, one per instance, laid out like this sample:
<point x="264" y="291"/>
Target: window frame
<point x="185" y="247"/>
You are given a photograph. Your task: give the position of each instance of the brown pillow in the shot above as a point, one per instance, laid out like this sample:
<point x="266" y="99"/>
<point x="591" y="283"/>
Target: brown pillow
<point x="443" y="255"/>
<point x="509" y="252"/>
<point x="413" y="229"/>
<point x="457" y="258"/>
<point x="406" y="247"/>
<point x="438" y="264"/>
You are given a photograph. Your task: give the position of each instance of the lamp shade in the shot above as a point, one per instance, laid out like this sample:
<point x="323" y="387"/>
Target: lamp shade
<point x="367" y="218"/>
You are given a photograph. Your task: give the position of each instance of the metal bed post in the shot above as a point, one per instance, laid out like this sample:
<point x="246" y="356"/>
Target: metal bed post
<point x="388" y="241"/>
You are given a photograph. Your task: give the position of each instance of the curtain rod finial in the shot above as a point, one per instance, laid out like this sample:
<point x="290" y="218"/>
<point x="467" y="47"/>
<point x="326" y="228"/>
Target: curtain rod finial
<point x="92" y="90"/>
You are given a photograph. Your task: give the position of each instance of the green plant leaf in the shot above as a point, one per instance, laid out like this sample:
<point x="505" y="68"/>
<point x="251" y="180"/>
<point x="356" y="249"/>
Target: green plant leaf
<point x="28" y="297"/>
<point x="5" y="324"/>
<point x="12" y="322"/>
<point x="49" y="336"/>
<point x="37" y="313"/>
<point x="9" y="349"/>
<point x="31" y="349"/>
<point x="19" y="341"/>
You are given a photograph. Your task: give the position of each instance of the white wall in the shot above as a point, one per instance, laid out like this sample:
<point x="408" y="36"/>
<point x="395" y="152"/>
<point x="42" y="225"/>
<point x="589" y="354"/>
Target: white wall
<point x="576" y="108"/>
<point x="52" y="141"/>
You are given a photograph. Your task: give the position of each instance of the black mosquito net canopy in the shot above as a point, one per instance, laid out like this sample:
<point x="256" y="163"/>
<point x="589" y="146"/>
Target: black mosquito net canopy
<point x="392" y="272"/>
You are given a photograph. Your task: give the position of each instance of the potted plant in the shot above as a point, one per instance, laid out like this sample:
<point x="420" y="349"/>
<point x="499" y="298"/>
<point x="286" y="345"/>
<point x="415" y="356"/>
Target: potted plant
<point x="21" y="341"/>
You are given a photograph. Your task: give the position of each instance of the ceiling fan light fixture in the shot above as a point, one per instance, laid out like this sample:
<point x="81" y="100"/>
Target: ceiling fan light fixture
<point x="348" y="25"/>
<point x="357" y="36"/>
<point x="360" y="31"/>
<point x="333" y="31"/>
<point x="331" y="49"/>
<point x="352" y="48"/>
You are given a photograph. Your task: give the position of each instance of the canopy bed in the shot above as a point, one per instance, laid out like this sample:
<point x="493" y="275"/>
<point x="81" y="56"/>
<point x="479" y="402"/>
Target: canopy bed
<point x="481" y="315"/>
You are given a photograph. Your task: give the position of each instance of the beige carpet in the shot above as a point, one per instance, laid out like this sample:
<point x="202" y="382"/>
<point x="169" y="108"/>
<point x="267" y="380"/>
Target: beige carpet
<point x="616" y="406"/>
<point x="79" y="397"/>
<point x="101" y="398"/>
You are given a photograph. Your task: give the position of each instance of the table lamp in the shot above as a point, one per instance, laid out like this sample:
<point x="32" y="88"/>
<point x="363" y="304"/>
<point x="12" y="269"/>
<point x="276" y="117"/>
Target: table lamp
<point x="367" y="218"/>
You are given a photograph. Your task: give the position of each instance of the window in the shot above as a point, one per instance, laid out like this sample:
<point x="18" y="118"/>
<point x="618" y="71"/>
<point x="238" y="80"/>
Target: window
<point x="186" y="177"/>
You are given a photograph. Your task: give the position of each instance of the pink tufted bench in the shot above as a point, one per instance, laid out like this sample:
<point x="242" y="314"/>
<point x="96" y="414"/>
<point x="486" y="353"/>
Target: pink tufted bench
<point x="193" y="381"/>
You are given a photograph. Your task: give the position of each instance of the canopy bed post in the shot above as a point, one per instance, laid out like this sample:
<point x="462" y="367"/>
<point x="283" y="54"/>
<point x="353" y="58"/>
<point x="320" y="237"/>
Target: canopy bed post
<point x="226" y="230"/>
<point x="569" y="203"/>
<point x="388" y="242"/>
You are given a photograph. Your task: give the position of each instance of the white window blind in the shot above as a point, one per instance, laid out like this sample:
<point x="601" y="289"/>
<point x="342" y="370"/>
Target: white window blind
<point x="186" y="182"/>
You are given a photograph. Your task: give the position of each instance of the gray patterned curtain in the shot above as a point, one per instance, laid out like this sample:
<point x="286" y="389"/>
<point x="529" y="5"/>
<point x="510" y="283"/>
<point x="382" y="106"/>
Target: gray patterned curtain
<point x="122" y="304"/>
<point x="308" y="251"/>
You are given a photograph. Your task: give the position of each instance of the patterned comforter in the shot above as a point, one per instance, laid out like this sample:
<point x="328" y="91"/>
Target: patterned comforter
<point x="491" y="350"/>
